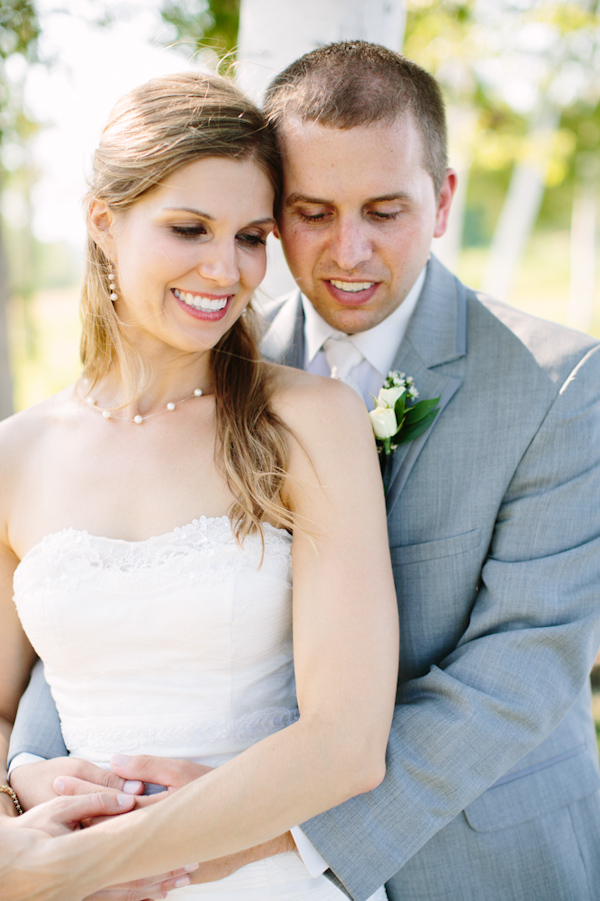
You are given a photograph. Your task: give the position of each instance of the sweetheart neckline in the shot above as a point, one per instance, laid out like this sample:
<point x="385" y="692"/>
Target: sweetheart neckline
<point x="197" y="521"/>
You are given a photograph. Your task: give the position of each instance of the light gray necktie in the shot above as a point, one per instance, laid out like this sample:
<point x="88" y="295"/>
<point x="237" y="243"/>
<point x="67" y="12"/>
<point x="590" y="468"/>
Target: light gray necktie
<point x="343" y="357"/>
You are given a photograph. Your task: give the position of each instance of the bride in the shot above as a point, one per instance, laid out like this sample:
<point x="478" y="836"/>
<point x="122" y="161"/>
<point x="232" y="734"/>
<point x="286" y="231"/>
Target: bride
<point x="151" y="514"/>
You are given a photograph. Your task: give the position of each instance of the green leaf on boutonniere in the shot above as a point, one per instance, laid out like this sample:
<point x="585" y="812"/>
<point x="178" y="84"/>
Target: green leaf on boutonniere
<point x="400" y="407"/>
<point x="418" y="412"/>
<point x="412" y="431"/>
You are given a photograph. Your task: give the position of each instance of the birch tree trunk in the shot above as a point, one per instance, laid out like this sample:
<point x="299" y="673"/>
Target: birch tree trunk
<point x="6" y="400"/>
<point x="273" y="33"/>
<point x="461" y="129"/>
<point x="521" y="206"/>
<point x="580" y="310"/>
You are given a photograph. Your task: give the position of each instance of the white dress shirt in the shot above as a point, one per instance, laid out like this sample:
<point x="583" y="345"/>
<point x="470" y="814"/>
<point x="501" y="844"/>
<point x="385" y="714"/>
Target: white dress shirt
<point x="378" y="345"/>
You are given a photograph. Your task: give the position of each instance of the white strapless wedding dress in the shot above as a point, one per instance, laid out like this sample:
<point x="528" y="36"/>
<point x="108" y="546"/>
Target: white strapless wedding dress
<point x="180" y="646"/>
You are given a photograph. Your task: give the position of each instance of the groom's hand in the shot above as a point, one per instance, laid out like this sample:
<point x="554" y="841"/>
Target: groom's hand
<point x="211" y="870"/>
<point x="174" y="774"/>
<point x="34" y="783"/>
<point x="163" y="771"/>
<point x="144" y="889"/>
<point x="130" y="774"/>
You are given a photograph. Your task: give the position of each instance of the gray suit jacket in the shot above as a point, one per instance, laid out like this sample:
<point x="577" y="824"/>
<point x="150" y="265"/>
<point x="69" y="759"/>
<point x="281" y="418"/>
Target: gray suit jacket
<point x="494" y="530"/>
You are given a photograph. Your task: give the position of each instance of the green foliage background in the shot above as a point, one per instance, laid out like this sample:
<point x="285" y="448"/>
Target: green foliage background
<point x="449" y="38"/>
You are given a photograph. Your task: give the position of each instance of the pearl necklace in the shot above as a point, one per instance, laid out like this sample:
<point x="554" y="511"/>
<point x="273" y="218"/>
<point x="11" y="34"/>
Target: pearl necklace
<point x="108" y="414"/>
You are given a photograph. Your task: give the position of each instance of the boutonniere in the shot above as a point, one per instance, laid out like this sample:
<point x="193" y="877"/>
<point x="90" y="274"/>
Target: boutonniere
<point x="397" y="417"/>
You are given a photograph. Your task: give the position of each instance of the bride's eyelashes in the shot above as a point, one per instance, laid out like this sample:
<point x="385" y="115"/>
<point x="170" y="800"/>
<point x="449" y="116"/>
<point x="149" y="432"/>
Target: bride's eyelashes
<point x="251" y="240"/>
<point x="188" y="231"/>
<point x="193" y="232"/>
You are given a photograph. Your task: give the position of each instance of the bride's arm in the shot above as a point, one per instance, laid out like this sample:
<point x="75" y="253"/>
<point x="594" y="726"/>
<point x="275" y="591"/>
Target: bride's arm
<point x="16" y="660"/>
<point x="346" y="654"/>
<point x="16" y="654"/>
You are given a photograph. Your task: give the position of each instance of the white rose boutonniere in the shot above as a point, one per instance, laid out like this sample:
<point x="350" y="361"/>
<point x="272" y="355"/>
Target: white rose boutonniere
<point x="396" y="418"/>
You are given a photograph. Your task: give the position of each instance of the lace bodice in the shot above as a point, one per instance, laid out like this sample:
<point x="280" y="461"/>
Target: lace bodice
<point x="179" y="645"/>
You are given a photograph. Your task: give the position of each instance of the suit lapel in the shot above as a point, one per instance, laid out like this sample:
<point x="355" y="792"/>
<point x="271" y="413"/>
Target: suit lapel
<point x="284" y="338"/>
<point x="436" y="335"/>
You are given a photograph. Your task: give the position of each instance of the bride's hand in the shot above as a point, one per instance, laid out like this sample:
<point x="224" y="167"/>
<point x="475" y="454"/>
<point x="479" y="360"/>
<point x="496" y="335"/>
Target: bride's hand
<point x="64" y="815"/>
<point x="24" y="841"/>
<point x="34" y="782"/>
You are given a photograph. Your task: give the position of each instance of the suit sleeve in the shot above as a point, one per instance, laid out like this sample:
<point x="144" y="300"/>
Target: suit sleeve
<point x="37" y="726"/>
<point x="523" y="660"/>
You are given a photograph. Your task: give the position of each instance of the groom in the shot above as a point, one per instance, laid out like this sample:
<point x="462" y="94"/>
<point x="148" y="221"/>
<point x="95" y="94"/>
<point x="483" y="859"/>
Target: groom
<point x="492" y="788"/>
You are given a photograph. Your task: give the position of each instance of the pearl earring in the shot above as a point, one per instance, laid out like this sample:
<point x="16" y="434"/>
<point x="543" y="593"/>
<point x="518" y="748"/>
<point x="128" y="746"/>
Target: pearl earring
<point x="111" y="282"/>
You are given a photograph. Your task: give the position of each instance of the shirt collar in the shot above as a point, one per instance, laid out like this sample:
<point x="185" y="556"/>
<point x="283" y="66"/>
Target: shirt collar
<point x="378" y="345"/>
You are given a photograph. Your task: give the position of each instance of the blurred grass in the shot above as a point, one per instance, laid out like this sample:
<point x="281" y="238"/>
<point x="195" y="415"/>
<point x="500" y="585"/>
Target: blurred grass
<point x="49" y="360"/>
<point x="596" y="701"/>
<point x="542" y="282"/>
<point x="45" y="353"/>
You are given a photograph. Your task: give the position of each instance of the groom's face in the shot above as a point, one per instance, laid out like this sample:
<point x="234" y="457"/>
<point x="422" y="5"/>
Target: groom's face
<point x="358" y="215"/>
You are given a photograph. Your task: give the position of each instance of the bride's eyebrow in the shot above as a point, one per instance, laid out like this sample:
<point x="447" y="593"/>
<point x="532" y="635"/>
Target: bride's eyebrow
<point x="264" y="220"/>
<point x="188" y="209"/>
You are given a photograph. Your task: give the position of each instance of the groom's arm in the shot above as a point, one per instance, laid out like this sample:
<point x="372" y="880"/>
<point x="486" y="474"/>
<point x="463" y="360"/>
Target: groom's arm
<point x="523" y="660"/>
<point x="37" y="726"/>
<point x="37" y="741"/>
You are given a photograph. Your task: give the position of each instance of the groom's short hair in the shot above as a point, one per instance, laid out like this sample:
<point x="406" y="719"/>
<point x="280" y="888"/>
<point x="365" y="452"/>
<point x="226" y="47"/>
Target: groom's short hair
<point x="352" y="83"/>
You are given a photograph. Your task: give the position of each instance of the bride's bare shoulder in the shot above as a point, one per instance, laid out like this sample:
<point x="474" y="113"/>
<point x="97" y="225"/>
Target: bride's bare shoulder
<point x="315" y="404"/>
<point x="24" y="432"/>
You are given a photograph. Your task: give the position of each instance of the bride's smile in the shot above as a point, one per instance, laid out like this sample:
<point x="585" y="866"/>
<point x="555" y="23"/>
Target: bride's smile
<point x="205" y="306"/>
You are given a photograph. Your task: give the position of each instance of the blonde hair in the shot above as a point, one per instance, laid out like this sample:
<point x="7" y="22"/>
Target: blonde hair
<point x="152" y="132"/>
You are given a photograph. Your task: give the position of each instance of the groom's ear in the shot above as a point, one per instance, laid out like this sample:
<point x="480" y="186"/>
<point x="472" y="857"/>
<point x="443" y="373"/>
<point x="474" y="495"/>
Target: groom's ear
<point x="276" y="232"/>
<point x="444" y="203"/>
<point x="101" y="226"/>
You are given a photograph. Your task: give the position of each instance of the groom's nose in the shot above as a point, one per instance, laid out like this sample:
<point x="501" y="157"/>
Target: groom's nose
<point x="350" y="244"/>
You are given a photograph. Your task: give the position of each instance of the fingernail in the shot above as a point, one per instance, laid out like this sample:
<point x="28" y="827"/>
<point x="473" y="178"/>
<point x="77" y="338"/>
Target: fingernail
<point x="124" y="800"/>
<point x="59" y="785"/>
<point x="192" y="868"/>
<point x="132" y="786"/>
<point x="119" y="759"/>
<point x="183" y="880"/>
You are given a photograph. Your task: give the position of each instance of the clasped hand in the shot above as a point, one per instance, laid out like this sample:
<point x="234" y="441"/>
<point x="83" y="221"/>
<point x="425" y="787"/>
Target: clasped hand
<point x="24" y="872"/>
<point x="75" y="777"/>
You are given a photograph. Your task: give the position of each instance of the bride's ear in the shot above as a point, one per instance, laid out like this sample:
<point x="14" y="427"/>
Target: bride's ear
<point x="100" y="225"/>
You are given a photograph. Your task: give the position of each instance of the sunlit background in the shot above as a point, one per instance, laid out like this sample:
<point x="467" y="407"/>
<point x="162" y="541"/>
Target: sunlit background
<point x="522" y="83"/>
